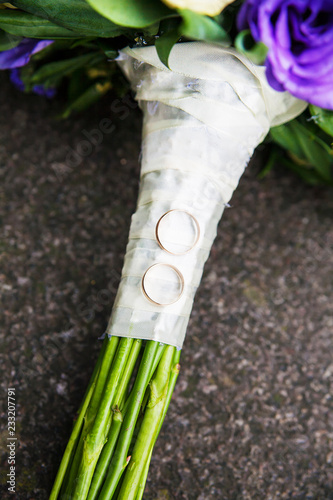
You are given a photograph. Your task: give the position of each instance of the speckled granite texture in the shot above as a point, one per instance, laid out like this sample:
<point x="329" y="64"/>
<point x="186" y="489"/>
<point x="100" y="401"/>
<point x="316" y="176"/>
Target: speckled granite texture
<point x="252" y="414"/>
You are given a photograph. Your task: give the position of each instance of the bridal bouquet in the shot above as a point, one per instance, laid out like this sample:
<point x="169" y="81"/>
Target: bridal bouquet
<point x="214" y="79"/>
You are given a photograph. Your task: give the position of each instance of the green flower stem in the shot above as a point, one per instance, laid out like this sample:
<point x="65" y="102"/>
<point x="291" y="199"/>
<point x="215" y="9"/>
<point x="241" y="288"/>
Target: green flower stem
<point x="172" y="382"/>
<point x="160" y="351"/>
<point x="103" y="362"/>
<point x="96" y="438"/>
<point x="70" y="449"/>
<point x="74" y="468"/>
<point x="123" y="384"/>
<point x="70" y="479"/>
<point x="109" y="353"/>
<point x="107" y="392"/>
<point x="119" y="460"/>
<point x="117" y="420"/>
<point x="143" y="478"/>
<point x="95" y="373"/>
<point x="149" y="427"/>
<point x="71" y="444"/>
<point x="106" y="455"/>
<point x="159" y="354"/>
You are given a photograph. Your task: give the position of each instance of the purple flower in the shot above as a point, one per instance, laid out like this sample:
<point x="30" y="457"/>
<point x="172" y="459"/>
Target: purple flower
<point x="49" y="92"/>
<point x="15" y="78"/>
<point x="20" y="55"/>
<point x="299" y="37"/>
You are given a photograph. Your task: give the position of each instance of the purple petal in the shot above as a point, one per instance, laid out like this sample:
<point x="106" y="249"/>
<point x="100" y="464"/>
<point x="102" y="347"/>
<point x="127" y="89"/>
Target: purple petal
<point x="15" y="78"/>
<point x="40" y="45"/>
<point x="20" y="55"/>
<point x="299" y="37"/>
<point x="282" y="30"/>
<point x="247" y="18"/>
<point x="43" y="91"/>
<point x="319" y="95"/>
<point x="272" y="80"/>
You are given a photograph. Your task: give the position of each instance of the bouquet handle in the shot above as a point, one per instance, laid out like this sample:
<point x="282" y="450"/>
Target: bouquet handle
<point x="203" y="118"/>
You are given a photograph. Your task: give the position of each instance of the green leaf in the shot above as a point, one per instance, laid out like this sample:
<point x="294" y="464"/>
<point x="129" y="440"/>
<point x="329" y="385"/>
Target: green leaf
<point x="78" y="82"/>
<point x="8" y="41"/>
<point x="165" y="43"/>
<point x="287" y="139"/>
<point x="23" y="24"/>
<point x="245" y="43"/>
<point x="323" y="118"/>
<point x="87" y="98"/>
<point x="306" y="147"/>
<point x="107" y="48"/>
<point x="310" y="176"/>
<point x="52" y="73"/>
<point x="316" y="151"/>
<point x="151" y="30"/>
<point x="132" y="13"/>
<point x="273" y="157"/>
<point x="199" y="27"/>
<point x="75" y="15"/>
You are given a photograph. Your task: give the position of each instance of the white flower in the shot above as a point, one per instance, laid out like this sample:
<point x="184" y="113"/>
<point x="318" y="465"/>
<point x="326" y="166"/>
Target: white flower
<point x="208" y="7"/>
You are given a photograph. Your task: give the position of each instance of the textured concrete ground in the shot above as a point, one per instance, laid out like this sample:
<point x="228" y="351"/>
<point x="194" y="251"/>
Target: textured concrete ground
<point x="252" y="415"/>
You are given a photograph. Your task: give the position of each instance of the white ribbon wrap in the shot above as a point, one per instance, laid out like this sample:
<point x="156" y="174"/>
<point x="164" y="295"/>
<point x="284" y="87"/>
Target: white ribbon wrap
<point x="202" y="120"/>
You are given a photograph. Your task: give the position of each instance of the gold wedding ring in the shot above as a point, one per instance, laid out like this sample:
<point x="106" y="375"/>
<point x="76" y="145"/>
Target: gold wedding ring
<point x="154" y="289"/>
<point x="159" y="238"/>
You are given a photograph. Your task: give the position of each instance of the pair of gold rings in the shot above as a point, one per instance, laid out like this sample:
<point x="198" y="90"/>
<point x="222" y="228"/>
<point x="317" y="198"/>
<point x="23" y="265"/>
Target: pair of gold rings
<point x="170" y="280"/>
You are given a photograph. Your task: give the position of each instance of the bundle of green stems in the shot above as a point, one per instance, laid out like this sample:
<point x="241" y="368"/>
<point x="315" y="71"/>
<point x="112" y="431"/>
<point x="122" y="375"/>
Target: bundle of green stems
<point x="110" y="448"/>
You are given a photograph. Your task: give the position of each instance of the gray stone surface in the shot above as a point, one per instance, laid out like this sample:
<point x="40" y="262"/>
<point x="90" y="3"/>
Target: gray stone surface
<point x="252" y="415"/>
